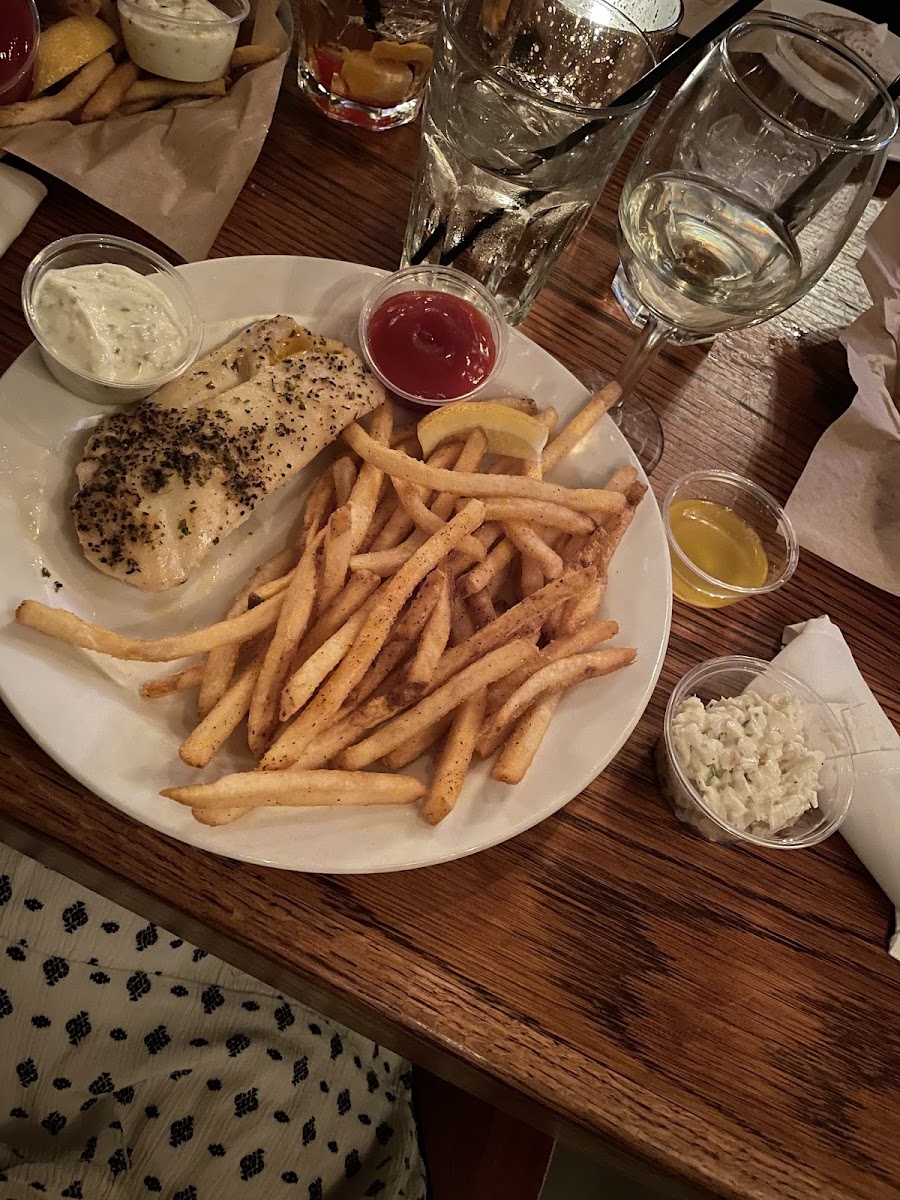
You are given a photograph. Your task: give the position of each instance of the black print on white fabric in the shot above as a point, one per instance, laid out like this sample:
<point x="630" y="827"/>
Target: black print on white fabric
<point x="364" y="1119"/>
<point x="101" y="1085"/>
<point x="54" y="1123"/>
<point x="323" y="1087"/>
<point x="352" y="1165"/>
<point x="19" y="1113"/>
<point x="274" y="1054"/>
<point x="115" y="1125"/>
<point x="89" y="1103"/>
<point x="55" y="969"/>
<point x="315" y="1190"/>
<point x="73" y="1191"/>
<point x="33" y="905"/>
<point x="179" y="990"/>
<point x="27" y="1072"/>
<point x="236" y="1044"/>
<point x="211" y="999"/>
<point x="337" y="1046"/>
<point x="138" y="985"/>
<point x="372" y="1082"/>
<point x="99" y="977"/>
<point x="313" y="1028"/>
<point x="157" y="1039"/>
<point x="78" y="1028"/>
<point x="188" y="1193"/>
<point x="250" y="1006"/>
<point x="214" y="1085"/>
<point x="16" y="953"/>
<point x="374" y="1188"/>
<point x="90" y="1149"/>
<point x="309" y="1131"/>
<point x="357" y="1062"/>
<point x="151" y="1111"/>
<point x="146" y="937"/>
<point x="110" y="927"/>
<point x="124" y="1095"/>
<point x="5" y="890"/>
<point x="217" y="1150"/>
<point x="301" y="1070"/>
<point x="333" y="1147"/>
<point x="6" y="1005"/>
<point x="118" y="1034"/>
<point x="281" y="1116"/>
<point x="198" y="1042"/>
<point x="176" y="943"/>
<point x="290" y="1177"/>
<point x="284" y="1017"/>
<point x="152" y="1184"/>
<point x="118" y="1162"/>
<point x="343" y="1102"/>
<point x="246" y="1102"/>
<point x="181" y="1074"/>
<point x="74" y="916"/>
<point x="181" y="1131"/>
<point x="197" y="955"/>
<point x="61" y="1083"/>
<point x="384" y="1133"/>
<point x="252" y="1164"/>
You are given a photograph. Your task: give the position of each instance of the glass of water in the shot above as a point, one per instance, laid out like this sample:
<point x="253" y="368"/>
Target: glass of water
<point x="519" y="137"/>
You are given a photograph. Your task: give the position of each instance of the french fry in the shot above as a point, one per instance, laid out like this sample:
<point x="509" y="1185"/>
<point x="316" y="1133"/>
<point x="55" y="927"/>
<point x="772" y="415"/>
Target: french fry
<point x="401" y="525"/>
<point x="202" y="745"/>
<point x="132" y="109"/>
<point x="336" y="557"/>
<point x="66" y="627"/>
<point x="388" y="562"/>
<point x="602" y="545"/>
<point x="434" y="637"/>
<point x="318" y="507"/>
<point x="583" y="609"/>
<point x="458" y="688"/>
<point x="428" y="521"/>
<point x="580" y="425"/>
<point x="221" y="662"/>
<point x="461" y="624"/>
<point x="302" y="789"/>
<point x="62" y="104"/>
<point x="524" y="741"/>
<point x="557" y="676"/>
<point x="344" y="472"/>
<point x="466" y="483"/>
<point x="181" y="681"/>
<point x="469" y="457"/>
<point x="453" y="763"/>
<point x="110" y="94"/>
<point x="556" y="516"/>
<point x="577" y="643"/>
<point x="356" y="591"/>
<point x="482" y="609"/>
<point x="492" y="567"/>
<point x="218" y="816"/>
<point x="524" y="404"/>
<point x="621" y="479"/>
<point x="401" y="641"/>
<point x="364" y="494"/>
<point x="524" y="538"/>
<point x="170" y="89"/>
<point x="348" y="728"/>
<point x="414" y="747"/>
<point x="405" y="438"/>
<point x="372" y="637"/>
<point x="382" y="514"/>
<point x="293" y="620"/>
<point x="301" y="686"/>
<point x="252" y="56"/>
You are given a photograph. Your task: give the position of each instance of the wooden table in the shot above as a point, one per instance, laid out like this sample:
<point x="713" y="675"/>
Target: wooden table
<point x="729" y="1017"/>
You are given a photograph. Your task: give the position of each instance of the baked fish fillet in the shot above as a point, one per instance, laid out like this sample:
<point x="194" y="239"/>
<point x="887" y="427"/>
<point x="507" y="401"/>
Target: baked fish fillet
<point x="162" y="483"/>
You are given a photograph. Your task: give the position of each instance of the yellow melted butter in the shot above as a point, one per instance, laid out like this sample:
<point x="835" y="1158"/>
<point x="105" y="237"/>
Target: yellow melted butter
<point x="722" y="545"/>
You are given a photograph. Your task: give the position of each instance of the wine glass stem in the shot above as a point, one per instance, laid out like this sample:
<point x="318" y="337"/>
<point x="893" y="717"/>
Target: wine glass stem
<point x="653" y="336"/>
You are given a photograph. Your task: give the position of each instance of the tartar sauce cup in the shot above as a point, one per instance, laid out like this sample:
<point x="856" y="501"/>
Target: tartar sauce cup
<point x="97" y="249"/>
<point x="451" y="283"/>
<point x="180" y="47"/>
<point x="720" y="678"/>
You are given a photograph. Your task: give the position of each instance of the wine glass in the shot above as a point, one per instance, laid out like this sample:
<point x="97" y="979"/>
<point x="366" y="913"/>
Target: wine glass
<point x="748" y="186"/>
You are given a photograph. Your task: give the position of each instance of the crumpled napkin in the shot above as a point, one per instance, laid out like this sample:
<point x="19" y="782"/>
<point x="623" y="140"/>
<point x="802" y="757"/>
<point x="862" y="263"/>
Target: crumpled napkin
<point x="20" y="194"/>
<point x="815" y="651"/>
<point x="846" y="505"/>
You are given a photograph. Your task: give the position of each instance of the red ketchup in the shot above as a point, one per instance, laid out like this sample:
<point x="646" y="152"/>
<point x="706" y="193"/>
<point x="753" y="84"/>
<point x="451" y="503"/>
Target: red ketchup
<point x="18" y="35"/>
<point x="431" y="344"/>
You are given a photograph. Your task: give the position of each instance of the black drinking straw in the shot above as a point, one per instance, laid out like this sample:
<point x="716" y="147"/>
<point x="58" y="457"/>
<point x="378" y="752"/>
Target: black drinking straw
<point x="679" y="56"/>
<point x="793" y="206"/>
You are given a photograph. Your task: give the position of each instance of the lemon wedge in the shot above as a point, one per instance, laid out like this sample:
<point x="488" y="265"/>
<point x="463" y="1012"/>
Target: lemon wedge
<point x="507" y="430"/>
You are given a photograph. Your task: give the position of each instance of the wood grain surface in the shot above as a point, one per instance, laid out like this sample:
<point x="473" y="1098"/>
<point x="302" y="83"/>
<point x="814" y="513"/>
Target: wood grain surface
<point x="729" y="1016"/>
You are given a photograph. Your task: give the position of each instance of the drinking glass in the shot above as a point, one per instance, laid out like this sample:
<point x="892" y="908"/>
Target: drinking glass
<point x="749" y="184"/>
<point x="365" y="62"/>
<point x="512" y="78"/>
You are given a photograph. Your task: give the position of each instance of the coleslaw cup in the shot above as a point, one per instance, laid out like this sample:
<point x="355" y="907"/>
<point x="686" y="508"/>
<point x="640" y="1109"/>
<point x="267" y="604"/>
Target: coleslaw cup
<point x="731" y="676"/>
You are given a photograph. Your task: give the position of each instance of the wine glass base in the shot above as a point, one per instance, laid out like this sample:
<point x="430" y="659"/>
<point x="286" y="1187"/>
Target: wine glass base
<point x="635" y="420"/>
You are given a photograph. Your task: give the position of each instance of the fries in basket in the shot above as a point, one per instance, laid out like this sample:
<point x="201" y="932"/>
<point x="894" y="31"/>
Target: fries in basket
<point x="438" y="607"/>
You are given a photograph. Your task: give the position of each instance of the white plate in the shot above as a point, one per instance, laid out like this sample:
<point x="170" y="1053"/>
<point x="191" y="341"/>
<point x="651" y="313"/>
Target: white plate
<point x="83" y="709"/>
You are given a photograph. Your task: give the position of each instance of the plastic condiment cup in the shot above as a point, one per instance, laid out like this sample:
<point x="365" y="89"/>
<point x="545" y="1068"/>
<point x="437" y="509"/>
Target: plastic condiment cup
<point x="435" y="279"/>
<point x="726" y="677"/>
<point x="89" y="249"/>
<point x="178" y="47"/>
<point x="753" y="505"/>
<point x="19" y="85"/>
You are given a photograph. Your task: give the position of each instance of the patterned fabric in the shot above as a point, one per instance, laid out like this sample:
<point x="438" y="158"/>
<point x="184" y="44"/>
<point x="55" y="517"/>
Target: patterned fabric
<point x="133" y="1064"/>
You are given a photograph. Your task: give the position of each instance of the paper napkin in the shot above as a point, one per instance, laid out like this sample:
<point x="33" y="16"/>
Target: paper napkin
<point x="20" y="194"/>
<point x="815" y="651"/>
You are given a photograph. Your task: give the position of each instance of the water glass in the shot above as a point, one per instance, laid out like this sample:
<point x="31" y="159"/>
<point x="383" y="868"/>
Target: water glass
<point x="365" y="62"/>
<point x="495" y="194"/>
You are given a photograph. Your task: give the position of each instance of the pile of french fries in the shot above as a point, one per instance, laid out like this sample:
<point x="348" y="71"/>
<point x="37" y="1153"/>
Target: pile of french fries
<point x="441" y="606"/>
<point x="83" y="73"/>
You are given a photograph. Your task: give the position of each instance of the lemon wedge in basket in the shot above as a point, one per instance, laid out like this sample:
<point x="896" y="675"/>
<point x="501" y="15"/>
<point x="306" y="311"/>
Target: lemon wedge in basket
<point x="507" y="430"/>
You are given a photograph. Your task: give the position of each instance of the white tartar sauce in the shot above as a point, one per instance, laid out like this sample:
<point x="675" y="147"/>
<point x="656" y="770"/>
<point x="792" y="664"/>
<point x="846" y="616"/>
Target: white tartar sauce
<point x="749" y="758"/>
<point x="188" y="40"/>
<point x="108" y="321"/>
